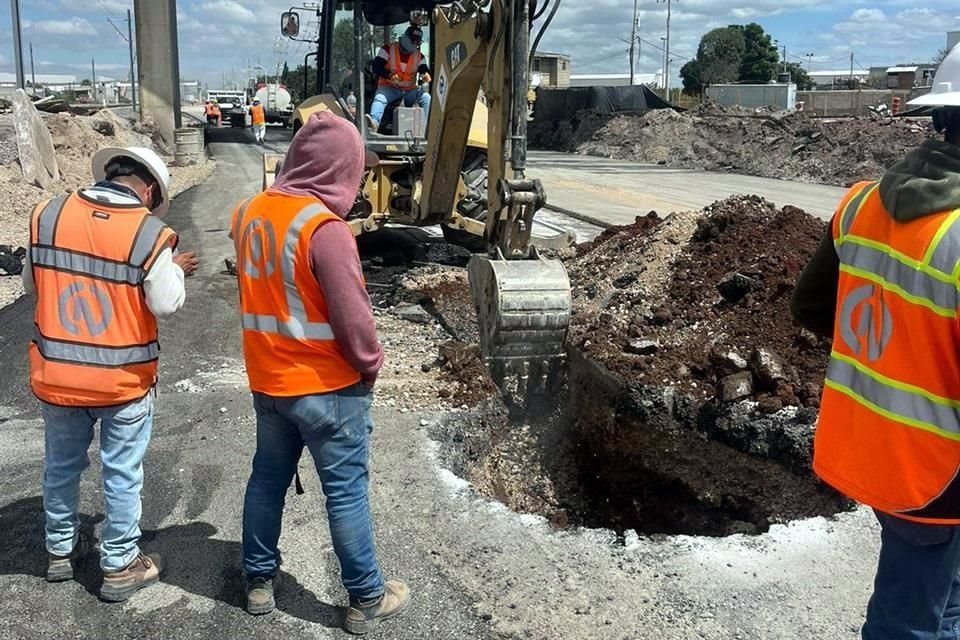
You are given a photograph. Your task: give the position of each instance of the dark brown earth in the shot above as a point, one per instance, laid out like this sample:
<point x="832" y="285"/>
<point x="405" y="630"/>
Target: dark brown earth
<point x="792" y="146"/>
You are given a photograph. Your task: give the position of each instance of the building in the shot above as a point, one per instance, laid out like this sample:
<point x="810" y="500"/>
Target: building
<point x="554" y="70"/>
<point x="908" y="77"/>
<point x="838" y="78"/>
<point x="616" y="79"/>
<point x="43" y="79"/>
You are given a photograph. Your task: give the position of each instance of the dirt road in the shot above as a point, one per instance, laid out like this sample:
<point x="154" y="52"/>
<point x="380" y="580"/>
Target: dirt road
<point x="477" y="570"/>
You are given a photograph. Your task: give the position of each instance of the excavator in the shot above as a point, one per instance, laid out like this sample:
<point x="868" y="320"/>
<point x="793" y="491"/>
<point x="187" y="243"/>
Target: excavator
<point x="466" y="170"/>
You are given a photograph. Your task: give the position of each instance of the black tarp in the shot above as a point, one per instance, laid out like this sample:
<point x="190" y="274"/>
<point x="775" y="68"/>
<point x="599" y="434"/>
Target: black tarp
<point x="562" y="104"/>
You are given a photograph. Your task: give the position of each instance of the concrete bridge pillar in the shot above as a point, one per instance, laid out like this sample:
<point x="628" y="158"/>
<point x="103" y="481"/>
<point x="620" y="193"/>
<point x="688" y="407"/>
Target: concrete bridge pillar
<point x="158" y="58"/>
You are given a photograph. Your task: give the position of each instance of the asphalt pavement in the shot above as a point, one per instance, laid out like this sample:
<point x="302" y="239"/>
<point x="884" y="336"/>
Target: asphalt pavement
<point x="476" y="569"/>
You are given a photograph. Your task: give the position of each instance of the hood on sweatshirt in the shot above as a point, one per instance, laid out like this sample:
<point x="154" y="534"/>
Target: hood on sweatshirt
<point x="324" y="161"/>
<point x="925" y="182"/>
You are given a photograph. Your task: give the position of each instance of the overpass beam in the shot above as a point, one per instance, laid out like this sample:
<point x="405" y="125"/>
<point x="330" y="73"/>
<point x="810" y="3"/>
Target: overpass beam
<point x="159" y="64"/>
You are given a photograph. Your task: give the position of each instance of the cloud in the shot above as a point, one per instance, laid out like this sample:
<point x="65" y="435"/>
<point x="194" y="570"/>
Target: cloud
<point x="230" y="11"/>
<point x="71" y="27"/>
<point x="97" y="6"/>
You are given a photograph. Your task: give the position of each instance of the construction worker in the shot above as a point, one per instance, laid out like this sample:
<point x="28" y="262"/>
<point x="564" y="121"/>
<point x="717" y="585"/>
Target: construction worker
<point x="212" y="112"/>
<point x="884" y="285"/>
<point x="103" y="268"/>
<point x="397" y="67"/>
<point x="258" y="118"/>
<point x="312" y="358"/>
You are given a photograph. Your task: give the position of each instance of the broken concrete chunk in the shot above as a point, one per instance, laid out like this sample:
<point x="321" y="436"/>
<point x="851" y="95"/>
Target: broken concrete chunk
<point x="38" y="159"/>
<point x="735" y="286"/>
<point x="768" y="367"/>
<point x="11" y="260"/>
<point x="736" y="387"/>
<point x="642" y="347"/>
<point x="728" y="360"/>
<point x="413" y="313"/>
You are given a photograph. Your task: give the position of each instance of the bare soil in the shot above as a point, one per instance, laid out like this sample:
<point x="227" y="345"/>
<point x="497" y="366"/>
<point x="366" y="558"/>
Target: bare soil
<point x="793" y="146"/>
<point x="76" y="139"/>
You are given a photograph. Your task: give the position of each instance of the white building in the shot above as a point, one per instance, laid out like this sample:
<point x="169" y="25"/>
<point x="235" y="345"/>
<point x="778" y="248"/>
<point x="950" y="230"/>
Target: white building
<point x="615" y="79"/>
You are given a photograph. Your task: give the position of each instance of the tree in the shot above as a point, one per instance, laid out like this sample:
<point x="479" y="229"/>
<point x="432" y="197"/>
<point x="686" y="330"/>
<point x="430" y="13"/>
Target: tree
<point x="692" y="82"/>
<point x="719" y="55"/>
<point x="760" y="57"/>
<point x="800" y="77"/>
<point x="295" y="79"/>
<point x="941" y="55"/>
<point x="85" y="82"/>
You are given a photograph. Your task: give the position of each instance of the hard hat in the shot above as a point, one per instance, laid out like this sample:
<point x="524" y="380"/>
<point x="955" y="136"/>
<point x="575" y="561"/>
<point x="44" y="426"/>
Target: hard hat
<point x="256" y="101"/>
<point x="148" y="158"/>
<point x="946" y="84"/>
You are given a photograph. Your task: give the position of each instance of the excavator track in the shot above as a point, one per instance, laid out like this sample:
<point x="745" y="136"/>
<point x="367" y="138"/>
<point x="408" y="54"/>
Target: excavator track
<point x="523" y="309"/>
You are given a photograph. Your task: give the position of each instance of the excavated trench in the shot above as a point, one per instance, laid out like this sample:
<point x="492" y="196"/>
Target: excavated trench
<point x="598" y="454"/>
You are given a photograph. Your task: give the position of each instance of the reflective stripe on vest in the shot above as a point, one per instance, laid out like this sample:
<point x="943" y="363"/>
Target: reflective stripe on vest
<point x="297" y="326"/>
<point x="96" y="356"/>
<point x="895" y="400"/>
<point x="47" y="224"/>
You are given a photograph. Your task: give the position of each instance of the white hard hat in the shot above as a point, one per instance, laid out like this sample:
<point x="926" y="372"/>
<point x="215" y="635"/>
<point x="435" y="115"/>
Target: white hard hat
<point x="946" y="84"/>
<point x="144" y="156"/>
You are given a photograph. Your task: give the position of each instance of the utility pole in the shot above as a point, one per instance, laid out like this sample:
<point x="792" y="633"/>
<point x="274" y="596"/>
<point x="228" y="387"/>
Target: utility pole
<point x="809" y="58"/>
<point x="17" y="42"/>
<point x="633" y="44"/>
<point x="93" y="81"/>
<point x="785" y="68"/>
<point x="133" y="74"/>
<point x="666" y="52"/>
<point x="33" y="74"/>
<point x="851" y="69"/>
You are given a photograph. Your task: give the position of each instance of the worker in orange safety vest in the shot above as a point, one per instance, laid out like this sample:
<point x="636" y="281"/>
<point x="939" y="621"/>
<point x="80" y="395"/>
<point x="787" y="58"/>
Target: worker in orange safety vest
<point x="103" y="267"/>
<point x="258" y="119"/>
<point x="885" y="285"/>
<point x="397" y="67"/>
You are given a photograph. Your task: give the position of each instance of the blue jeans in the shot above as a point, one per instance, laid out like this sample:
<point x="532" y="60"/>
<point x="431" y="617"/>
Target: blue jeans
<point x="387" y="95"/>
<point x="336" y="428"/>
<point x="917" y="590"/>
<point x="124" y="436"/>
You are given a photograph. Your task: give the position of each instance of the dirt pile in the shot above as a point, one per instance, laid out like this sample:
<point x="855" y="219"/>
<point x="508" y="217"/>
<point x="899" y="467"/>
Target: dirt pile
<point x="771" y="144"/>
<point x="76" y="139"/>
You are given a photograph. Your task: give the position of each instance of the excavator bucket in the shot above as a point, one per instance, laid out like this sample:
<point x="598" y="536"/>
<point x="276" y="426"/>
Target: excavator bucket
<point x="523" y="308"/>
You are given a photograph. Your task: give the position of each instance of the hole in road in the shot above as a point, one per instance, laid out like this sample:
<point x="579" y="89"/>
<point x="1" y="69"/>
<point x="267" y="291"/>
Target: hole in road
<point x="640" y="459"/>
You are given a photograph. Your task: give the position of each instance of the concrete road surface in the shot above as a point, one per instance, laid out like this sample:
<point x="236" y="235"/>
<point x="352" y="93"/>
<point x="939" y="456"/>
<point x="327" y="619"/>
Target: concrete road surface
<point x="477" y="570"/>
<point x="616" y="191"/>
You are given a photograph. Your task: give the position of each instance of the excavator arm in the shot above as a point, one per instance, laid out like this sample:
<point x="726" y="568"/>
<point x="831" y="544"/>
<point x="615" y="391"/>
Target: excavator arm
<point x="523" y="301"/>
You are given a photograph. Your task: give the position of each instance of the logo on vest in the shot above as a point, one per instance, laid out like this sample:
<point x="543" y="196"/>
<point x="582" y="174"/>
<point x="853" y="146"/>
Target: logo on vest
<point x="259" y="261"/>
<point x="865" y="322"/>
<point x="87" y="305"/>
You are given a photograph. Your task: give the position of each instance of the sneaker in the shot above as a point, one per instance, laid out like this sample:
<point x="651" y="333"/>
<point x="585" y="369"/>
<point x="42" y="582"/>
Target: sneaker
<point x="363" y="618"/>
<point x="372" y="124"/>
<point x="60" y="568"/>
<point x="120" y="585"/>
<point x="260" y="594"/>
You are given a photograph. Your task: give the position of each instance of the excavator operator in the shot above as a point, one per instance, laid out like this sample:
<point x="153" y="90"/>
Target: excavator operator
<point x="396" y="67"/>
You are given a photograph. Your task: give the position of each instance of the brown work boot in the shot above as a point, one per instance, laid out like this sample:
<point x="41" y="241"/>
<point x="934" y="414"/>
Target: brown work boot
<point x="364" y="617"/>
<point x="144" y="571"/>
<point x="60" y="568"/>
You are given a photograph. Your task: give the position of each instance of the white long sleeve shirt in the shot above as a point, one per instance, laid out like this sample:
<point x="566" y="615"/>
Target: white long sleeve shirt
<point x="163" y="285"/>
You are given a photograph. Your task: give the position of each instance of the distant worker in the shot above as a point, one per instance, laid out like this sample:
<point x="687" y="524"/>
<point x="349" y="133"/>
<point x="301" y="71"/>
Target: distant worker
<point x="103" y="268"/>
<point x="397" y="67"/>
<point x="312" y="357"/>
<point x="258" y="118"/>
<point x="884" y="285"/>
<point x="212" y="111"/>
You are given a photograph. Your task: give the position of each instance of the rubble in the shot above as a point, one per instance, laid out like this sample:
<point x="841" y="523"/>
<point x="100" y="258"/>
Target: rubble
<point x="75" y="140"/>
<point x="11" y="260"/>
<point x="788" y="145"/>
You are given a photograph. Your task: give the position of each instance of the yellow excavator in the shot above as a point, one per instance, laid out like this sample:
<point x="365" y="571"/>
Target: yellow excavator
<point x="466" y="170"/>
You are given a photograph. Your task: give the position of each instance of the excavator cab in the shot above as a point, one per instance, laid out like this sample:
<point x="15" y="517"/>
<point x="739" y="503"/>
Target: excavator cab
<point x="466" y="170"/>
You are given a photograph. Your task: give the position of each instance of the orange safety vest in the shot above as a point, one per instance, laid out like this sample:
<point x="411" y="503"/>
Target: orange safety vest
<point x="258" y="115"/>
<point x="95" y="341"/>
<point x="407" y="72"/>
<point x="208" y="110"/>
<point x="288" y="344"/>
<point x="889" y="428"/>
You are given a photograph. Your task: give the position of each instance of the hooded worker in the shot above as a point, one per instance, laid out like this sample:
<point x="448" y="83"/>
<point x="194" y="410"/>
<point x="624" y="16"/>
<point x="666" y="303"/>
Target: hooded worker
<point x="884" y="285"/>
<point x="312" y="358"/>
<point x="397" y="66"/>
<point x="103" y="269"/>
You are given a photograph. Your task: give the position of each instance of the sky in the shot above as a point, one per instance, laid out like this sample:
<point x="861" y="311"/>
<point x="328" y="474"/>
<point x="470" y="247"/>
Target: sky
<point x="218" y="38"/>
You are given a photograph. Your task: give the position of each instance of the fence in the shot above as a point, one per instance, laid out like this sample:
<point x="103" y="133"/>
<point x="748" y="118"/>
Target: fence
<point x="848" y="103"/>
